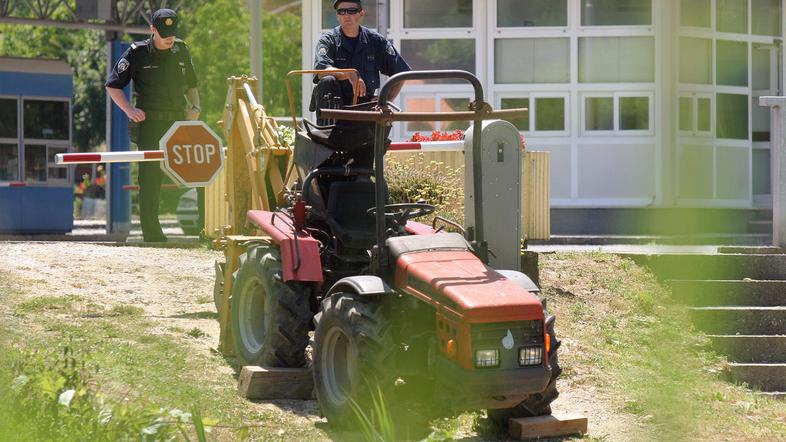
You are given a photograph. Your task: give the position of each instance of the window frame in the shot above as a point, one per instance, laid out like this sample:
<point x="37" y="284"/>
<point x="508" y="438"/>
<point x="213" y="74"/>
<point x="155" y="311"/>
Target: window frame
<point x="15" y="141"/>
<point x="615" y="96"/>
<point x="695" y="96"/>
<point x="55" y="143"/>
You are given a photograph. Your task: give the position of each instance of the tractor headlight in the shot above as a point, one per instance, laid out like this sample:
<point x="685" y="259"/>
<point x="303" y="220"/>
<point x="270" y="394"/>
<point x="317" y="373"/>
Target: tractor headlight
<point x="486" y="358"/>
<point x="530" y="356"/>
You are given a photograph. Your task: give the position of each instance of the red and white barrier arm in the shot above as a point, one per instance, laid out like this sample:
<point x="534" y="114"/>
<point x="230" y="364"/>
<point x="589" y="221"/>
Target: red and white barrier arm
<point x="134" y="156"/>
<point x="110" y="157"/>
<point x="427" y="146"/>
<point x="13" y="184"/>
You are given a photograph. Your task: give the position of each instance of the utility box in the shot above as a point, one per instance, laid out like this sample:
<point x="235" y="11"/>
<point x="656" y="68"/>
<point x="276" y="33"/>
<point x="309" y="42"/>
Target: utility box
<point x="501" y="183"/>
<point x="94" y="9"/>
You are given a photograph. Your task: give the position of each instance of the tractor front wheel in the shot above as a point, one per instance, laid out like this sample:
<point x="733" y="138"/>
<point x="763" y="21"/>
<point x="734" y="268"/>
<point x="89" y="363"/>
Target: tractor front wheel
<point x="269" y="317"/>
<point x="353" y="351"/>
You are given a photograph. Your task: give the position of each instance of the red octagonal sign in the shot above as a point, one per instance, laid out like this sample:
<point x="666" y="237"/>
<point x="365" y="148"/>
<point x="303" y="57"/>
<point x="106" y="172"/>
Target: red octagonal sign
<point x="192" y="153"/>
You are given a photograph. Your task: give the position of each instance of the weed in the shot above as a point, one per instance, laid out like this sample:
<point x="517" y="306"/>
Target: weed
<point x="127" y="310"/>
<point x="204" y="299"/>
<point x="196" y="333"/>
<point x="41" y="303"/>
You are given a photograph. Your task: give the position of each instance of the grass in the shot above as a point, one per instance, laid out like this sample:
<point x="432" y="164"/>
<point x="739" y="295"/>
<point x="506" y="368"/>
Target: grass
<point x="629" y="339"/>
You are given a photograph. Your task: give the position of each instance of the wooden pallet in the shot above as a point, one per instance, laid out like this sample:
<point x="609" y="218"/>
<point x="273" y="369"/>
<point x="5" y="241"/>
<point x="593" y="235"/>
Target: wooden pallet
<point x="275" y="383"/>
<point x="547" y="426"/>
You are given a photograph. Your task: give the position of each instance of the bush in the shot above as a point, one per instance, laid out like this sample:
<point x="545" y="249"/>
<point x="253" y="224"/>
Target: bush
<point x="416" y="179"/>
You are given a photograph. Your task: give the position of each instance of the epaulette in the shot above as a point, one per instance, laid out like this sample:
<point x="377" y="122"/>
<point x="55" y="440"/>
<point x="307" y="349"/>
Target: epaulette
<point x="137" y="44"/>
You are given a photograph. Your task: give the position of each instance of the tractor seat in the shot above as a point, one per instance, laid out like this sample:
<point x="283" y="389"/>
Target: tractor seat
<point x="347" y="216"/>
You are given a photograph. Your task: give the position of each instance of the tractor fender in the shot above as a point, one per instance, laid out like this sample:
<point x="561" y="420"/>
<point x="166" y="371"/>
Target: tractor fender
<point x="362" y="285"/>
<point x="523" y="281"/>
<point x="520" y="279"/>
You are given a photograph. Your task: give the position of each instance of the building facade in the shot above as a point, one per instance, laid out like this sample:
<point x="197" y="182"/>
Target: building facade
<point x="641" y="103"/>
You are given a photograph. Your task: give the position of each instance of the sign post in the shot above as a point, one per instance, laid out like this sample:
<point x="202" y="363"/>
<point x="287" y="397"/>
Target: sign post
<point x="192" y="153"/>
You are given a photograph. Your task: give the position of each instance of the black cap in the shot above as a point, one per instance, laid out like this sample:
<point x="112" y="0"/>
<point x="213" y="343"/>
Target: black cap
<point x="165" y="21"/>
<point x="335" y="3"/>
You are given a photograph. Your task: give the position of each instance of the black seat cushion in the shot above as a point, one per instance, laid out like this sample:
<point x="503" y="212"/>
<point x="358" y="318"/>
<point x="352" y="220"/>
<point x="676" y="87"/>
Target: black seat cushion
<point x="347" y="214"/>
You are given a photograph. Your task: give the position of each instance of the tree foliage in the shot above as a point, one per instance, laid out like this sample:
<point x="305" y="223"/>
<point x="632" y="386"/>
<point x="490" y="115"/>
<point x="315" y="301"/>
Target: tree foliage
<point x="217" y="33"/>
<point x="85" y="52"/>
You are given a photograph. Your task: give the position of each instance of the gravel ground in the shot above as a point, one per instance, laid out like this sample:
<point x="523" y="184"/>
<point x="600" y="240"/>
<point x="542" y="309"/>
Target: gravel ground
<point x="174" y="287"/>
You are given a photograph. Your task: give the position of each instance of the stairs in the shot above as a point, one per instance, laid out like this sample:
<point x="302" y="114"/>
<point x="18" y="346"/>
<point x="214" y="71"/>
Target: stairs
<point x="739" y="300"/>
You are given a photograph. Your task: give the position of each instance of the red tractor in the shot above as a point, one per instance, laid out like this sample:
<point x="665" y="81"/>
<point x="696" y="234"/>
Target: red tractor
<point x="398" y="309"/>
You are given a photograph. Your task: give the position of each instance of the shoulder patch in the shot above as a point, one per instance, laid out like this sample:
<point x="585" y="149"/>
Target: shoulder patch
<point x="322" y="51"/>
<point x="389" y="49"/>
<point x="122" y="65"/>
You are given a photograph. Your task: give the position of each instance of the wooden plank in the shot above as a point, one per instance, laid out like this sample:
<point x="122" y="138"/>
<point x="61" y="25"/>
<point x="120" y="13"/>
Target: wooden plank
<point x="275" y="383"/>
<point x="547" y="426"/>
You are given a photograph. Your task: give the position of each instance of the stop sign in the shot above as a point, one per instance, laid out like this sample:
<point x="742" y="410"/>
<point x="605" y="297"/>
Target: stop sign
<point x="192" y="153"/>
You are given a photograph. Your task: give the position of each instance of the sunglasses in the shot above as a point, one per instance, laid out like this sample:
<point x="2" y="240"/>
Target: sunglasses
<point x="350" y="11"/>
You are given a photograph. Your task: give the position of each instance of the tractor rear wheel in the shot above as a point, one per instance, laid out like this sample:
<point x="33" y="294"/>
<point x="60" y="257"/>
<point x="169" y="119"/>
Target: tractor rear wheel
<point x="353" y="359"/>
<point x="538" y="404"/>
<point x="269" y="317"/>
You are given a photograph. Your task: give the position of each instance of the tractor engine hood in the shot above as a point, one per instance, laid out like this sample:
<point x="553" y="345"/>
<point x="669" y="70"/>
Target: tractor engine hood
<point x="454" y="279"/>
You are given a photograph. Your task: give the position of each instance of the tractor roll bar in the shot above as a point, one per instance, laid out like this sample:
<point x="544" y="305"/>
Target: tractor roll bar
<point x="479" y="110"/>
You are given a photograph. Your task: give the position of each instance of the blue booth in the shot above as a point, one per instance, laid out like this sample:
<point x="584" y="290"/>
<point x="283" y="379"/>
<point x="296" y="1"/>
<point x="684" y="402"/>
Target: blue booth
<point x="36" y="195"/>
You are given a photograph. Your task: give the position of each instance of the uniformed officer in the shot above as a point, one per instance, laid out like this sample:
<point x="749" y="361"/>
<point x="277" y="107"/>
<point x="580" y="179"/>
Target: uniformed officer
<point x="351" y="45"/>
<point x="165" y="90"/>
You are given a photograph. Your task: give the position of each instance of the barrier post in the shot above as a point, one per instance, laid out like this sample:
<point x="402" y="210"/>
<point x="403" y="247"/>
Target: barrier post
<point x="119" y="201"/>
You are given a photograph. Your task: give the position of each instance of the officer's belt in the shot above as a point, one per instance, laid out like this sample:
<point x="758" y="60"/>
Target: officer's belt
<point x="163" y="115"/>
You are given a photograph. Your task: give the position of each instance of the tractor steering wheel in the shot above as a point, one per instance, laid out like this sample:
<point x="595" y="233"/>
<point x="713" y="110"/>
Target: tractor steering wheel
<point x="402" y="212"/>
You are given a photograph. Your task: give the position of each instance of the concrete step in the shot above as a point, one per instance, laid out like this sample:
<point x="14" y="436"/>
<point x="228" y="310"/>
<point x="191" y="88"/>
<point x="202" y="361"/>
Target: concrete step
<point x="730" y="292"/>
<point x="760" y="226"/>
<point x="779" y="395"/>
<point x="740" y="320"/>
<point x="765" y="377"/>
<point x="713" y="266"/>
<point x="727" y="239"/>
<point x="751" y="348"/>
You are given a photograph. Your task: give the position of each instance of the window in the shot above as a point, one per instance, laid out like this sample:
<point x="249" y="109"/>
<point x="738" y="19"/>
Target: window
<point x="695" y="13"/>
<point x="761" y="171"/>
<point x="329" y="20"/>
<point x="616" y="12"/>
<point x="420" y="104"/>
<point x="438" y="14"/>
<point x="732" y="116"/>
<point x="531" y="13"/>
<point x="695" y="60"/>
<point x="532" y="60"/>
<point x="35" y="163"/>
<point x="760" y="121"/>
<point x="56" y="172"/>
<point x="761" y="69"/>
<point x="440" y="54"/>
<point x="46" y="120"/>
<point x="9" y="162"/>
<point x="454" y="105"/>
<point x="8" y="118"/>
<point x="631" y="111"/>
<point x="634" y="113"/>
<point x="599" y="113"/>
<point x="732" y="63"/>
<point x="521" y="124"/>
<point x="732" y="16"/>
<point x="616" y="60"/>
<point x="704" y="114"/>
<point x="766" y="17"/>
<point x="550" y="114"/>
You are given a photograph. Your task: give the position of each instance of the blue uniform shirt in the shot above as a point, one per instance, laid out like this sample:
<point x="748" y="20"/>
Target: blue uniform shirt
<point x="372" y="54"/>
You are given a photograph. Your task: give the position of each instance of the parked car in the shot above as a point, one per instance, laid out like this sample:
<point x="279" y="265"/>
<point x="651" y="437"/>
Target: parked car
<point x="188" y="213"/>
